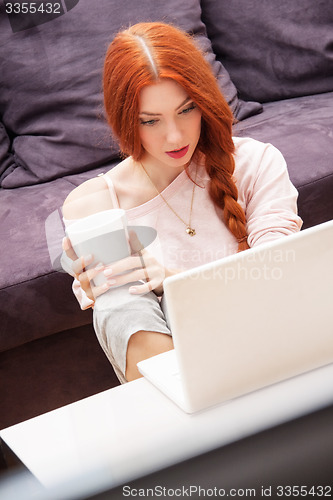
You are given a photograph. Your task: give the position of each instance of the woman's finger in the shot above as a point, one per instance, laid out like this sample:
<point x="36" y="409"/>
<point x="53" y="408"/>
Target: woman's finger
<point x="90" y="274"/>
<point x="67" y="247"/>
<point x="146" y="288"/>
<point x="125" y="265"/>
<point x="96" y="291"/>
<point x="152" y="279"/>
<point x="87" y="284"/>
<point x="85" y="277"/>
<point x="135" y="243"/>
<point x="79" y="265"/>
<point x="130" y="277"/>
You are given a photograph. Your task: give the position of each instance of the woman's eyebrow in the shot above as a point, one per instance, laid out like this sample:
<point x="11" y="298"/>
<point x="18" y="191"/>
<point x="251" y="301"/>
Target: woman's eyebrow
<point x="187" y="100"/>
<point x="147" y="113"/>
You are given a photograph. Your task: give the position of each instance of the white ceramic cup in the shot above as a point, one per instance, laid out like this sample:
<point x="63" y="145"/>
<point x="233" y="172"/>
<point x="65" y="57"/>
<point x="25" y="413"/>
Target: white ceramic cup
<point x="103" y="235"/>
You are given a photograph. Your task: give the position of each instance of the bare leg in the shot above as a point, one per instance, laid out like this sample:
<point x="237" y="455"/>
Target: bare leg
<point x="143" y="345"/>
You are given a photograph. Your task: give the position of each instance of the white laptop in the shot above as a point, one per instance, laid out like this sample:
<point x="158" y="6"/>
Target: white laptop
<point x="248" y="320"/>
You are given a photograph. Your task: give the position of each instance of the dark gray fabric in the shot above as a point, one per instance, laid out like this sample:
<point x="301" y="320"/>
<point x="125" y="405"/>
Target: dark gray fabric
<point x="273" y="49"/>
<point x="51" y="86"/>
<point x="302" y="129"/>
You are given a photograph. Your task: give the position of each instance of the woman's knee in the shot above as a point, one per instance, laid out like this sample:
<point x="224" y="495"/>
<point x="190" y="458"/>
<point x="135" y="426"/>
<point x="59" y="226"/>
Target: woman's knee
<point x="143" y="345"/>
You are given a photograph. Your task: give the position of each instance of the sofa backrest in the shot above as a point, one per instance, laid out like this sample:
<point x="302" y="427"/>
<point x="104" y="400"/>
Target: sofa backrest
<point x="273" y="49"/>
<point x="51" y="103"/>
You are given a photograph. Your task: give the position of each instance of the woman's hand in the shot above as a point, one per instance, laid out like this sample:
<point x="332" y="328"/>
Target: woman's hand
<point x="140" y="266"/>
<point x="85" y="276"/>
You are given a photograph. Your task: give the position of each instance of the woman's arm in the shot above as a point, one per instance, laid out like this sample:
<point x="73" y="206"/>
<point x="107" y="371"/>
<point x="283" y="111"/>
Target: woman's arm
<point x="266" y="192"/>
<point x="90" y="197"/>
<point x="140" y="267"/>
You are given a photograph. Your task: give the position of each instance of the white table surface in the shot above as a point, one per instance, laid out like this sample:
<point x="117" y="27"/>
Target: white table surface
<point x="132" y="430"/>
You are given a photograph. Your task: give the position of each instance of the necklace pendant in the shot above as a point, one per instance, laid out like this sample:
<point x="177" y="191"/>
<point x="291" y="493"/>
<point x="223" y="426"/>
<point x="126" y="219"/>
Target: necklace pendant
<point x="190" y="231"/>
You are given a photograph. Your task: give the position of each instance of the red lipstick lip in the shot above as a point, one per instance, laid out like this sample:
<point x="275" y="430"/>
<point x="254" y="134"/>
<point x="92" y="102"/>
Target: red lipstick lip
<point x="178" y="153"/>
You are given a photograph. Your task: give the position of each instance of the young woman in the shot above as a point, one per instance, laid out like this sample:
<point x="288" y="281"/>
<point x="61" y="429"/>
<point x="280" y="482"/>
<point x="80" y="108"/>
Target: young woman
<point x="206" y="193"/>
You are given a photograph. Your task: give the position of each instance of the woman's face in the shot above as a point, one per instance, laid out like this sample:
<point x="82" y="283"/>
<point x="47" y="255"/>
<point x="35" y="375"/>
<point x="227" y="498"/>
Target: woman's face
<point x="170" y="124"/>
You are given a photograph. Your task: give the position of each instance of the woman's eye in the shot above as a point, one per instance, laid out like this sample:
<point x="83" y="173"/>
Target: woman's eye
<point x="188" y="109"/>
<point x="148" y="122"/>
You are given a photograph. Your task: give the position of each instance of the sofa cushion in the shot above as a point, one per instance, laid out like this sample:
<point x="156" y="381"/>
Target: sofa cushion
<point x="301" y="128"/>
<point x="51" y="85"/>
<point x="36" y="298"/>
<point x="273" y="49"/>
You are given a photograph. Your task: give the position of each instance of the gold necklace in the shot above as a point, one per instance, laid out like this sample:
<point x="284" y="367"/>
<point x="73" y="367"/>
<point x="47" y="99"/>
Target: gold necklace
<point x="190" y="230"/>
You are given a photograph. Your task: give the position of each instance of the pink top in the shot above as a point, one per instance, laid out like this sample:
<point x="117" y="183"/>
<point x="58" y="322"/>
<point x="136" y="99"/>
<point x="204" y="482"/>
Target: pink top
<point x="264" y="191"/>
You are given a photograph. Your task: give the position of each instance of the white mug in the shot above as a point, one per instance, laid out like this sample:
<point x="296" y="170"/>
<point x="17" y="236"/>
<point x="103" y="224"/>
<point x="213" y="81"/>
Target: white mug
<point x="103" y="235"/>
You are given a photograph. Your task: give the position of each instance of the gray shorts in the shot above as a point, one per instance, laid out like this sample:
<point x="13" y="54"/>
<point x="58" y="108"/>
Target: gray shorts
<point x="118" y="314"/>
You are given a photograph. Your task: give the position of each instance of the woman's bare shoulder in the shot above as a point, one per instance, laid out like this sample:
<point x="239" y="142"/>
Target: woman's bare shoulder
<point x="87" y="198"/>
<point x="93" y="195"/>
<point x="129" y="184"/>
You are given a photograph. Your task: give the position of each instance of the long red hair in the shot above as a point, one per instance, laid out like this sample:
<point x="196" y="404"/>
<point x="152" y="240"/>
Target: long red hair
<point x="148" y="52"/>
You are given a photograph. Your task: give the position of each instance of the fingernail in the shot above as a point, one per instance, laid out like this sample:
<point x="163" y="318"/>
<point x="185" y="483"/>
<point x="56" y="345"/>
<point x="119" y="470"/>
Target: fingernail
<point x="88" y="258"/>
<point x="99" y="267"/>
<point x="105" y="286"/>
<point x="132" y="289"/>
<point x="108" y="272"/>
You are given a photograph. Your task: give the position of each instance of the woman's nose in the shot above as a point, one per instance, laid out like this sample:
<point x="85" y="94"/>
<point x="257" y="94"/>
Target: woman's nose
<point x="174" y="135"/>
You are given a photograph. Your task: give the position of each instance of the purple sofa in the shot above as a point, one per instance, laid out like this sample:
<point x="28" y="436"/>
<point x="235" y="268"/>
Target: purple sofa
<point x="274" y="64"/>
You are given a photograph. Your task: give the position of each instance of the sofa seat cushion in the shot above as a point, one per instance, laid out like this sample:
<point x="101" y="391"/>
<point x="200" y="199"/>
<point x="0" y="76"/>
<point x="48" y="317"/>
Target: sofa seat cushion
<point x="301" y="128"/>
<point x="36" y="296"/>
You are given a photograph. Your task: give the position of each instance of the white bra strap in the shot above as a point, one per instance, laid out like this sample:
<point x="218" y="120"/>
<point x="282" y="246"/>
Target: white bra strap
<point x="112" y="191"/>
